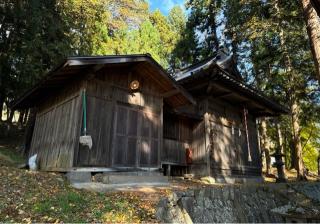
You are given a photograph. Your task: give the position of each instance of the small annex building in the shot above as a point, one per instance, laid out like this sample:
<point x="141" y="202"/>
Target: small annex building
<point x="139" y="117"/>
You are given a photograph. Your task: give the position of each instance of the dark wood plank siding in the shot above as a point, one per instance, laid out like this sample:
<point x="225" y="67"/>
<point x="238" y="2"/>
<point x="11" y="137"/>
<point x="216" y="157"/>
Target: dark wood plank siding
<point x="59" y="122"/>
<point x="229" y="148"/>
<point x="137" y="137"/>
<point x="177" y="138"/>
<point x="115" y="119"/>
<point x="198" y="143"/>
<point x="99" y="114"/>
<point x="254" y="145"/>
<point x="55" y="134"/>
<point x="174" y="151"/>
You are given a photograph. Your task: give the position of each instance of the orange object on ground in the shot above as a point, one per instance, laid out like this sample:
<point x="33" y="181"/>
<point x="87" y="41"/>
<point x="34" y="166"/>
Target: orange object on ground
<point x="189" y="156"/>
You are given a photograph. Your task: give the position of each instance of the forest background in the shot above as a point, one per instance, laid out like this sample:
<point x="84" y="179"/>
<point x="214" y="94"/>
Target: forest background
<point x="268" y="39"/>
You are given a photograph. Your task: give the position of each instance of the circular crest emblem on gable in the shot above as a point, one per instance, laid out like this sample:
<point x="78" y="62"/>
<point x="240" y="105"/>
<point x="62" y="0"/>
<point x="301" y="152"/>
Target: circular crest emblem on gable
<point x="134" y="85"/>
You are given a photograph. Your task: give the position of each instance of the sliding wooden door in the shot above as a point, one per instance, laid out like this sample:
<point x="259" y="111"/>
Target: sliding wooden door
<point x="136" y="138"/>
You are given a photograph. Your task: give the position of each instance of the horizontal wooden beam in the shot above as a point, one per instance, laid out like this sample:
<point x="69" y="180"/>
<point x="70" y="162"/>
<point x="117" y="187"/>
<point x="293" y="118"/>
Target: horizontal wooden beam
<point x="223" y="94"/>
<point x="197" y="87"/>
<point x="97" y="67"/>
<point x="170" y="93"/>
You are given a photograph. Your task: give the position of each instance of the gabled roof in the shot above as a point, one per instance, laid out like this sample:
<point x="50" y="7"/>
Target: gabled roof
<point x="213" y="77"/>
<point x="220" y="59"/>
<point x="76" y="67"/>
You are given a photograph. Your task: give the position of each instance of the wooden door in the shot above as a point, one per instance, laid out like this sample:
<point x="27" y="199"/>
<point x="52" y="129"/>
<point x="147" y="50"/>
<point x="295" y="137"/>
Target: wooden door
<point x="126" y="137"/>
<point x="136" y="138"/>
<point x="149" y="139"/>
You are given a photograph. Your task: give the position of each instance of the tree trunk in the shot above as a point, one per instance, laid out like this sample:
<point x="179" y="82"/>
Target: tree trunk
<point x="26" y="116"/>
<point x="29" y="131"/>
<point x="279" y="150"/>
<point x="213" y="25"/>
<point x="292" y="154"/>
<point x="292" y="95"/>
<point x="313" y="28"/>
<point x="8" y="112"/>
<point x="11" y="114"/>
<point x="265" y="145"/>
<point x="297" y="141"/>
<point x="1" y="105"/>
<point x="318" y="163"/>
<point x="21" y="117"/>
<point x="280" y="138"/>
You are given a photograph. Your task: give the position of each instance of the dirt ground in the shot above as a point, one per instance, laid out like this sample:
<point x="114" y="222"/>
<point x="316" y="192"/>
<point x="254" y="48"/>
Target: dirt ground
<point x="29" y="196"/>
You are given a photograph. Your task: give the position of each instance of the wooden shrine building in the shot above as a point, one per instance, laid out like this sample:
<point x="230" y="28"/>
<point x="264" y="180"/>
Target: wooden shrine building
<point x="141" y="118"/>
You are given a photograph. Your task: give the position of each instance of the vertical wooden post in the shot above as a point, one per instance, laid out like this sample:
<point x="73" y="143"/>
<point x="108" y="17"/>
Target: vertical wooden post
<point x="207" y="142"/>
<point x="161" y="136"/>
<point x="259" y="141"/>
<point x="245" y="113"/>
<point x="113" y="126"/>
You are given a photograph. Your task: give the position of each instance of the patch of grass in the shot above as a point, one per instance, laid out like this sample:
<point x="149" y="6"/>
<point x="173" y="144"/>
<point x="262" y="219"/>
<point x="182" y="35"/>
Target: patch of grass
<point x="63" y="203"/>
<point x="27" y="196"/>
<point x="75" y="207"/>
<point x="9" y="155"/>
<point x="43" y="207"/>
<point x="104" y="206"/>
<point x="64" y="206"/>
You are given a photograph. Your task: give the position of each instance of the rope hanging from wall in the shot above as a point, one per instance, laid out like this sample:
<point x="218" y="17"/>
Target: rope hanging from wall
<point x="245" y="113"/>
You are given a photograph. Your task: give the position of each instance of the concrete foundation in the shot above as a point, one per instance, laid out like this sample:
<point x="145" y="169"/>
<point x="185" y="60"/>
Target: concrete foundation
<point x="78" y="177"/>
<point x="133" y="179"/>
<point x="123" y="178"/>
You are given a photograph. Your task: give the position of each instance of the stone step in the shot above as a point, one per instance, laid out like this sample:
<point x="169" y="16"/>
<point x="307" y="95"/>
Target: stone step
<point x="138" y="177"/>
<point x="79" y="177"/>
<point x="132" y="179"/>
<point x="134" y="173"/>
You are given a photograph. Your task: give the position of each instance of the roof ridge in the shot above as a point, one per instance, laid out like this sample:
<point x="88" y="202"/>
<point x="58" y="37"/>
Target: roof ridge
<point x="199" y="62"/>
<point x="107" y="56"/>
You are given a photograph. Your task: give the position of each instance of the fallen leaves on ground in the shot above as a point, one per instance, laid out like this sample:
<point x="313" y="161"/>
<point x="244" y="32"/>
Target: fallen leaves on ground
<point x="28" y="196"/>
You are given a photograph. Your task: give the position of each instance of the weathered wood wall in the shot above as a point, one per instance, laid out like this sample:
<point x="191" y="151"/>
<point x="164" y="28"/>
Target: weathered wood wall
<point x="177" y="133"/>
<point x="56" y="130"/>
<point x="227" y="140"/>
<point x="98" y="111"/>
<point x="59" y="123"/>
<point x="198" y="143"/>
<point x="218" y="142"/>
<point x="125" y="126"/>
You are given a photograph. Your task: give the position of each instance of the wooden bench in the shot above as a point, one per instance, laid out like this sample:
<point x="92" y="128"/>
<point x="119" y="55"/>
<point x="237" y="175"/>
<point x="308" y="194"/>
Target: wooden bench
<point x="169" y="165"/>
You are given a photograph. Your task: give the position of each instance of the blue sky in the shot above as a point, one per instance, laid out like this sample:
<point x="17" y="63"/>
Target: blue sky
<point x="164" y="5"/>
